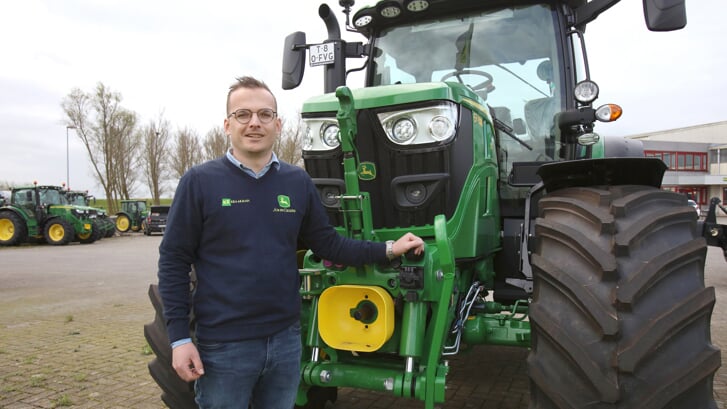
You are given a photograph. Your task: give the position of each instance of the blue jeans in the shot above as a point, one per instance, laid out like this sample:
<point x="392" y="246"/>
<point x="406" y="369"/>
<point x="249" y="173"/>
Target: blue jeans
<point x="261" y="372"/>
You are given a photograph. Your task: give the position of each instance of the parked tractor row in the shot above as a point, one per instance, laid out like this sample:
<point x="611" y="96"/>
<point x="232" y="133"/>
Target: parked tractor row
<point x="54" y="215"/>
<point x="43" y="213"/>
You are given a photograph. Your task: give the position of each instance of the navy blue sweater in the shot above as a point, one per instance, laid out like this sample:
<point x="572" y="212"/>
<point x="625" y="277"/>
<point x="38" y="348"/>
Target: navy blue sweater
<point x="241" y="234"/>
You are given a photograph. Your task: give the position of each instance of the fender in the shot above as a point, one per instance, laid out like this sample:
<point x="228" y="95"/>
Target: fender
<point x="605" y="171"/>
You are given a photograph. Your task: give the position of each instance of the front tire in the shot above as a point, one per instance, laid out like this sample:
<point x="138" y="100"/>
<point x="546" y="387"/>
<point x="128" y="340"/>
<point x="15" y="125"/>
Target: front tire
<point x="97" y="233"/>
<point x="109" y="228"/>
<point x="620" y="315"/>
<point x="58" y="232"/>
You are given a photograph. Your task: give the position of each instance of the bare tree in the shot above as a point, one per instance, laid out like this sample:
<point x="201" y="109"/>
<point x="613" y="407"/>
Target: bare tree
<point x="215" y="143"/>
<point x="289" y="145"/>
<point x="187" y="152"/>
<point x="125" y="145"/>
<point x="155" y="138"/>
<point x="106" y="130"/>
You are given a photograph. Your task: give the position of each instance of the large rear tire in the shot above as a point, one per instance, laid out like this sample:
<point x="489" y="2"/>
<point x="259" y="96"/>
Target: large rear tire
<point x="620" y="315"/>
<point x="123" y="223"/>
<point x="13" y="230"/>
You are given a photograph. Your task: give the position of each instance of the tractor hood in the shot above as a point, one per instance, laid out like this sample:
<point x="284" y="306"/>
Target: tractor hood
<point x="389" y="95"/>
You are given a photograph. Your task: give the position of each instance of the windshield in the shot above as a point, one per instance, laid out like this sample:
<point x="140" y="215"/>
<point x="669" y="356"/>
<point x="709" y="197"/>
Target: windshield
<point x="52" y="197"/>
<point x="507" y="56"/>
<point x="76" y="200"/>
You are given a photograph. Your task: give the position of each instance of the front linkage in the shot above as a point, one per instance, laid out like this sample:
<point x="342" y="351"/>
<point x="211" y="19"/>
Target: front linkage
<point x="367" y="346"/>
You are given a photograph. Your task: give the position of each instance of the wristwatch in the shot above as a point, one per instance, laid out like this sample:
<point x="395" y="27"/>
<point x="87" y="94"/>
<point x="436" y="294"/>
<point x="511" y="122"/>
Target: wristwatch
<point x="390" y="249"/>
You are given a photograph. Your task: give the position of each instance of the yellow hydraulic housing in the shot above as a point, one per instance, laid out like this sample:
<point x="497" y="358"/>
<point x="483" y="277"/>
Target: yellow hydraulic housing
<point x="355" y="318"/>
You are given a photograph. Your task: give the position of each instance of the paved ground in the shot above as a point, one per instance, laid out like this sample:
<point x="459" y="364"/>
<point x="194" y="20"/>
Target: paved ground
<point x="71" y="335"/>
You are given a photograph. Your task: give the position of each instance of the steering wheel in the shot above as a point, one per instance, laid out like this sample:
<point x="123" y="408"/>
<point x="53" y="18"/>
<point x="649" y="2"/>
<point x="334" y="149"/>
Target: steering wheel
<point x="486" y="85"/>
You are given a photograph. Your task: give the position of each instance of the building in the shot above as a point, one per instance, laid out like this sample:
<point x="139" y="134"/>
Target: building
<point x="696" y="157"/>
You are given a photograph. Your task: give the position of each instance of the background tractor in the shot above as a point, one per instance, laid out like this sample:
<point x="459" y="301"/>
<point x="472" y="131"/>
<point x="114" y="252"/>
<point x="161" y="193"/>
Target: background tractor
<point x="81" y="198"/>
<point x="132" y="215"/>
<point x="42" y="213"/>
<point x="475" y="130"/>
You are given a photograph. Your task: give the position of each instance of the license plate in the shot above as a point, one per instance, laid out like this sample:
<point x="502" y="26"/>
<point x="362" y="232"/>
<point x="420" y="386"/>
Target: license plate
<point x="322" y="54"/>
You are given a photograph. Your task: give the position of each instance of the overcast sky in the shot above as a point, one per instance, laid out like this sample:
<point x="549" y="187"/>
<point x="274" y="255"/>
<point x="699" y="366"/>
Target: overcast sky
<point x="178" y="58"/>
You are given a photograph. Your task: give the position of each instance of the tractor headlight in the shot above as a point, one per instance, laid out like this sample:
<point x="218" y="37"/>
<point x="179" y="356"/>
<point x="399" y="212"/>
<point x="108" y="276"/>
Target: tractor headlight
<point x="403" y="130"/>
<point x="586" y="92"/>
<point x="321" y="134"/>
<point x="437" y="123"/>
<point x="329" y="135"/>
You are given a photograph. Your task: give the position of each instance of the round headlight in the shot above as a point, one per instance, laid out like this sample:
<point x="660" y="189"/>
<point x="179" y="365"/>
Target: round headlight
<point x="586" y="91"/>
<point x="417" y="5"/>
<point x="329" y="135"/>
<point x="404" y="130"/>
<point x="363" y="21"/>
<point x="441" y="128"/>
<point x="389" y="9"/>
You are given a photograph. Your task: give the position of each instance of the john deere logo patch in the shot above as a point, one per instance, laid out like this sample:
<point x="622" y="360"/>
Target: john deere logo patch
<point x="366" y="171"/>
<point x="226" y="201"/>
<point x="283" y="201"/>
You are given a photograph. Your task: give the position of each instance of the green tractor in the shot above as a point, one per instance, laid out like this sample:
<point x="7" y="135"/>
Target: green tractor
<point x="476" y="131"/>
<point x="42" y="213"/>
<point x="82" y="198"/>
<point x="132" y="215"/>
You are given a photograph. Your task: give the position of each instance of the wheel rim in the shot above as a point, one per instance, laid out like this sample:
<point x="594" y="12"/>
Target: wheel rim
<point x="84" y="236"/>
<point x="122" y="223"/>
<point x="56" y="232"/>
<point x="7" y="229"/>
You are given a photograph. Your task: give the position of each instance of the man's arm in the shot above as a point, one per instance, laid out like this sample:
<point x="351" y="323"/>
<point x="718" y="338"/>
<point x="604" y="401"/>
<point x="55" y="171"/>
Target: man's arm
<point x="176" y="256"/>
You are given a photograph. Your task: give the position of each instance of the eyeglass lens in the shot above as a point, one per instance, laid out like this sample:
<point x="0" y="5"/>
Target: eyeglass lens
<point x="244" y="116"/>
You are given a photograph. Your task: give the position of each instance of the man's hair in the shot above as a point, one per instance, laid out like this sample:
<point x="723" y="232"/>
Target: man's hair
<point x="248" y="82"/>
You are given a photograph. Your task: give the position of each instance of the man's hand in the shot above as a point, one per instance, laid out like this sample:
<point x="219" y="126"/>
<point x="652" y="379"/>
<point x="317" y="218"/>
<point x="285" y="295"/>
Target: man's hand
<point x="408" y="242"/>
<point x="186" y="361"/>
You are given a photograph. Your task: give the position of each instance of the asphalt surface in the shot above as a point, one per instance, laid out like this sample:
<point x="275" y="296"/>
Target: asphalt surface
<point x="71" y="334"/>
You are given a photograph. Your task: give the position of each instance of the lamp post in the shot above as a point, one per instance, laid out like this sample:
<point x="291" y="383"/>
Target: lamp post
<point x="68" y="166"/>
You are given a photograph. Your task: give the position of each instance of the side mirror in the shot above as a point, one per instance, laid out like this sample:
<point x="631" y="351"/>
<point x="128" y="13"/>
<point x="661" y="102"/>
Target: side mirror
<point x="665" y="15"/>
<point x="293" y="60"/>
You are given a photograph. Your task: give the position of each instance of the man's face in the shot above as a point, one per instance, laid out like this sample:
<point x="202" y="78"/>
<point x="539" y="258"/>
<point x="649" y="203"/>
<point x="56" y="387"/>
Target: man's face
<point x="255" y="137"/>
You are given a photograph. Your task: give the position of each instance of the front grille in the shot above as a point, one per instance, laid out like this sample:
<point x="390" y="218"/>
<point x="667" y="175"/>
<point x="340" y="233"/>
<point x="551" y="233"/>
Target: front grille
<point x="440" y="169"/>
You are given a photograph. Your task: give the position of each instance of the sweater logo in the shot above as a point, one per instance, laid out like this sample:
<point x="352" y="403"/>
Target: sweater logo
<point x="283" y="201"/>
<point x="227" y="202"/>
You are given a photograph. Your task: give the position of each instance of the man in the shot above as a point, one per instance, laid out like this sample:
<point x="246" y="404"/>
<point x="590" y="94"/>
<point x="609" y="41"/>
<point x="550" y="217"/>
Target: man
<point x="237" y="220"/>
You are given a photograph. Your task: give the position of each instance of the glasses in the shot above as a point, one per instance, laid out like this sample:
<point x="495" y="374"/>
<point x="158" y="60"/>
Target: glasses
<point x="244" y="116"/>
